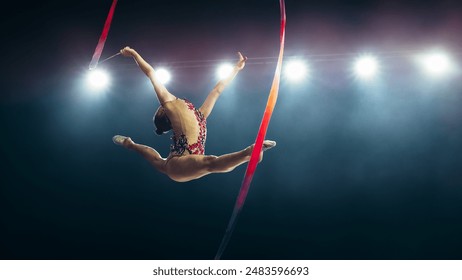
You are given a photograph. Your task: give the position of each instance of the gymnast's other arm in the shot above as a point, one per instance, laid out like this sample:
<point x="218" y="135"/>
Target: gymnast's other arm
<point x="209" y="102"/>
<point x="163" y="95"/>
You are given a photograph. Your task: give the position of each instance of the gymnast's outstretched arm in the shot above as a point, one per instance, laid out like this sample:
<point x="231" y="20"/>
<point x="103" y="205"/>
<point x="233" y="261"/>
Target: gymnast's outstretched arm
<point x="209" y="102"/>
<point x="163" y="95"/>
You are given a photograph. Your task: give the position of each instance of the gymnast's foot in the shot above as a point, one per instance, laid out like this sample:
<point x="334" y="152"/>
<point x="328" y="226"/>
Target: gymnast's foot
<point x="267" y="144"/>
<point x="122" y="141"/>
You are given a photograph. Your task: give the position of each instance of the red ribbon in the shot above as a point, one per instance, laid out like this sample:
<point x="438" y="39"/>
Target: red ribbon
<point x="252" y="166"/>
<point x="103" y="37"/>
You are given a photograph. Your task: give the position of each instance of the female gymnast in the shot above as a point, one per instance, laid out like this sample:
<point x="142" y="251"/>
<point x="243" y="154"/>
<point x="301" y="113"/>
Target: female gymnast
<point x="186" y="160"/>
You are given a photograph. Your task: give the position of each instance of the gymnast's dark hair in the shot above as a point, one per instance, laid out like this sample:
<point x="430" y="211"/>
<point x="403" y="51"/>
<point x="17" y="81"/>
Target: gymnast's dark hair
<point x="161" y="121"/>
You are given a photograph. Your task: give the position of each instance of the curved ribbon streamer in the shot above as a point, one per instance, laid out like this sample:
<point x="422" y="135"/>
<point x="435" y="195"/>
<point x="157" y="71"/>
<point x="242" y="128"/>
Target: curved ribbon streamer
<point x="103" y="37"/>
<point x="252" y="166"/>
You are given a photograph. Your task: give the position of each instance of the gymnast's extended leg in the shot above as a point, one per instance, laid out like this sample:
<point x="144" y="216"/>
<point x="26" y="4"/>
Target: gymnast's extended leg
<point x="190" y="167"/>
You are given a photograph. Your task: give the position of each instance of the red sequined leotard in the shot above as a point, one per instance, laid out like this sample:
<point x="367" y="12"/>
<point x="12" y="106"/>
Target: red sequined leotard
<point x="189" y="127"/>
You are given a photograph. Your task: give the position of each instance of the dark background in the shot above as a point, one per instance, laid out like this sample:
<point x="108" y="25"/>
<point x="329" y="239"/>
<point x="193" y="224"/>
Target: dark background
<point x="361" y="171"/>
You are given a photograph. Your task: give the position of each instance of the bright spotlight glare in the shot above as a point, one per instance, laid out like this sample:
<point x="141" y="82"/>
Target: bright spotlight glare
<point x="98" y="79"/>
<point x="366" y="67"/>
<point x="224" y="71"/>
<point x="163" y="75"/>
<point x="295" y="70"/>
<point x="436" y="64"/>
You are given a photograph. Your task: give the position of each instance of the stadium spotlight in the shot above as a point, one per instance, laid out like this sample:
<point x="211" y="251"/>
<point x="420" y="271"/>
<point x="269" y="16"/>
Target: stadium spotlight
<point x="366" y="67"/>
<point x="436" y="64"/>
<point x="224" y="71"/>
<point x="163" y="75"/>
<point x="98" y="79"/>
<point x="295" y="70"/>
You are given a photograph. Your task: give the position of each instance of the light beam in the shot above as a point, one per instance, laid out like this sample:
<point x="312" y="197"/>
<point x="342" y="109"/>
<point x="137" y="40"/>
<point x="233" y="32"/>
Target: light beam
<point x="436" y="64"/>
<point x="295" y="70"/>
<point x="366" y="67"/>
<point x="98" y="79"/>
<point x="163" y="75"/>
<point x="224" y="71"/>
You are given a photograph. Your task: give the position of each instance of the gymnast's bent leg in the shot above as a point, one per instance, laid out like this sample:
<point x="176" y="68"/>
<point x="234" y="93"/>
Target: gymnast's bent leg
<point x="151" y="155"/>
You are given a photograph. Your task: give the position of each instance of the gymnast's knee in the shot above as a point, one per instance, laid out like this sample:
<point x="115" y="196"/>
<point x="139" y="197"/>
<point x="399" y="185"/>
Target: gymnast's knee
<point x="210" y="163"/>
